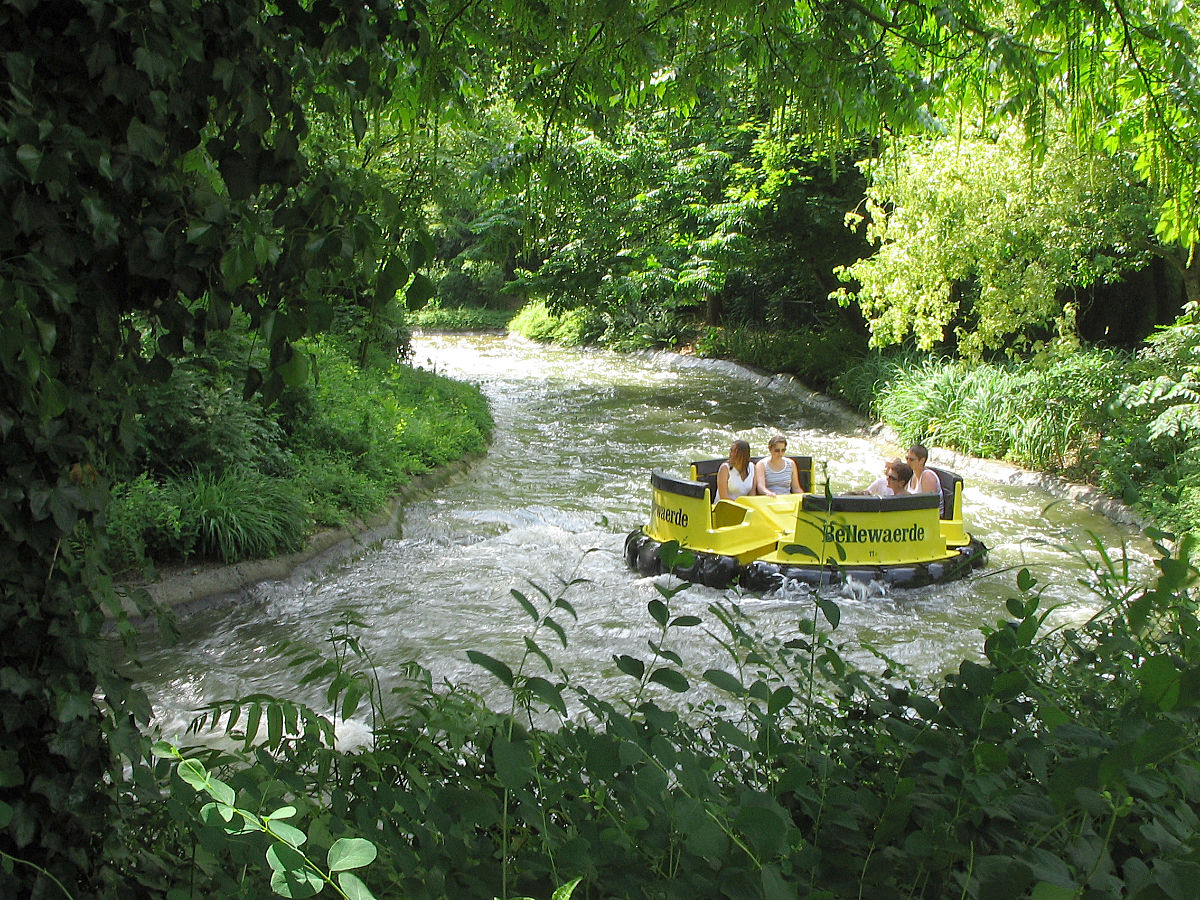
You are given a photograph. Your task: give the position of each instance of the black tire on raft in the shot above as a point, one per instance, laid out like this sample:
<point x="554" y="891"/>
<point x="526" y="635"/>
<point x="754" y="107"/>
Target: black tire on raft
<point x="691" y="572"/>
<point x="648" y="561"/>
<point x="906" y="576"/>
<point x="633" y="544"/>
<point x="760" y="576"/>
<point x="718" y="571"/>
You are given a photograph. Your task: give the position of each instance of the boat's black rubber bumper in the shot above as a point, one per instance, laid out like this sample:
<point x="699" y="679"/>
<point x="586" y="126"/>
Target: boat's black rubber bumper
<point x="712" y="570"/>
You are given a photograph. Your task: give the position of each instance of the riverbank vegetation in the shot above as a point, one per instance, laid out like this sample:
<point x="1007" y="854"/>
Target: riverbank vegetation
<point x="1057" y="766"/>
<point x="218" y="476"/>
<point x="210" y="201"/>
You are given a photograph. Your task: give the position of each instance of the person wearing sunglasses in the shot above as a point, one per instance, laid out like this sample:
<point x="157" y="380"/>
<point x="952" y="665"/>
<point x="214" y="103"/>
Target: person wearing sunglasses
<point x="893" y="482"/>
<point x="923" y="480"/>
<point x="777" y="474"/>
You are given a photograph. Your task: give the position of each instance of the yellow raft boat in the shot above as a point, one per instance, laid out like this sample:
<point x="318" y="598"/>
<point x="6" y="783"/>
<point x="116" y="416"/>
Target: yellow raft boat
<point x="819" y="539"/>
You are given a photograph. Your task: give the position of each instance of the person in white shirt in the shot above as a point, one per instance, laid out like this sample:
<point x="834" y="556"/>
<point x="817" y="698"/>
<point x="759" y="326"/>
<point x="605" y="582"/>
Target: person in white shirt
<point x="735" y="478"/>
<point x="924" y="481"/>
<point x="893" y="482"/>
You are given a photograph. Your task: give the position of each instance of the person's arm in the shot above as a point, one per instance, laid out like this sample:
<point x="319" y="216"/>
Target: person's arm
<point x="723" y="482"/>
<point x="760" y="478"/>
<point x="934" y="486"/>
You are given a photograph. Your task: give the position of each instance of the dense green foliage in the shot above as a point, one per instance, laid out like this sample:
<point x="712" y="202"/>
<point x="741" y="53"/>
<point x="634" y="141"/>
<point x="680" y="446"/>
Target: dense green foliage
<point x="979" y="245"/>
<point x="230" y="479"/>
<point x="170" y="169"/>
<point x="1127" y="422"/>
<point x="1057" y="765"/>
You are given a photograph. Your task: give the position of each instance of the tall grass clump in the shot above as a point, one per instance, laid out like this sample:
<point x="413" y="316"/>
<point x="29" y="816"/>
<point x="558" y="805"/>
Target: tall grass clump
<point x="229" y="517"/>
<point x="228" y="478"/>
<point x="570" y="328"/>
<point x="1050" y="416"/>
<point x="242" y="515"/>
<point x="1061" y="763"/>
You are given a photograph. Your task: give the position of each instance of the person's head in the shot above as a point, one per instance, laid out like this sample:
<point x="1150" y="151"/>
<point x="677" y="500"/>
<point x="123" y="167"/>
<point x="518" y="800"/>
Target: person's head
<point x="916" y="457"/>
<point x="739" y="456"/>
<point x="898" y="475"/>
<point x="777" y="444"/>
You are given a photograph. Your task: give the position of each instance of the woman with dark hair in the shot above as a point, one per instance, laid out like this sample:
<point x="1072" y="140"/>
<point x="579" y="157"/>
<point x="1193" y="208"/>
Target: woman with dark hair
<point x="894" y="481"/>
<point x="735" y="478"/>
<point x="924" y="481"/>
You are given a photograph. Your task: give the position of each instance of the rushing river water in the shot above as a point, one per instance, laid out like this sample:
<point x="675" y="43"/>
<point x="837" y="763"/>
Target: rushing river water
<point x="565" y="479"/>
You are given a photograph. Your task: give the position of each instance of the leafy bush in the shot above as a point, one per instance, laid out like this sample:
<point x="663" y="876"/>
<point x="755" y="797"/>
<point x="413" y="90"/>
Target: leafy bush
<point x="198" y="419"/>
<point x="473" y="283"/>
<point x="1060" y="765"/>
<point x="437" y="318"/>
<point x="571" y="328"/>
<point x="815" y="355"/>
<point x="145" y="519"/>
<point x="339" y="449"/>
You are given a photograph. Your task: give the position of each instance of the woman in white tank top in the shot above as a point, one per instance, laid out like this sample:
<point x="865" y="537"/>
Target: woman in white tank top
<point x="777" y="474"/>
<point x="735" y="478"/>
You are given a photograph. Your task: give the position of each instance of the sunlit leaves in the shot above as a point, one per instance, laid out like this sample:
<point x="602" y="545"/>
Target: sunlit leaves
<point x="978" y="228"/>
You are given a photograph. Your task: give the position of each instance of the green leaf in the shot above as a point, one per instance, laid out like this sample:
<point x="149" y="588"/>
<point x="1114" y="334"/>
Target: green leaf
<point x="831" y="611"/>
<point x="493" y="665"/>
<point x="353" y="887"/>
<point x="686" y="621"/>
<point x="670" y="679"/>
<point x="1161" y="681"/>
<point x="725" y="681"/>
<point x="565" y="891"/>
<point x="630" y="666"/>
<point x="781" y="698"/>
<point x="6" y="814"/>
<point x="1025" y="580"/>
<point x="514" y="762"/>
<point x="237" y="266"/>
<point x="419" y="291"/>
<point x="274" y="725"/>
<point x="529" y="608"/>
<point x="1044" y="890"/>
<point x="295" y="372"/>
<point x="548" y="693"/>
<point x="291" y="876"/>
<point x="30" y="157"/>
<point x="351" y="853"/>
<point x="288" y="834"/>
<point x="658" y="611"/>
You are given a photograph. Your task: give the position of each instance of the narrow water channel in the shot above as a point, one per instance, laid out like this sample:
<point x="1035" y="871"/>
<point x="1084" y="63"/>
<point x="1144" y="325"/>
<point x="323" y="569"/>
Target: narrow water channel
<point x="567" y="476"/>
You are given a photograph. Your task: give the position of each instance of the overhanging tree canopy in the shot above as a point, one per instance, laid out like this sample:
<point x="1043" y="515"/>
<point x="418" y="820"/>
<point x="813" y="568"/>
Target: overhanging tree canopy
<point x="156" y="169"/>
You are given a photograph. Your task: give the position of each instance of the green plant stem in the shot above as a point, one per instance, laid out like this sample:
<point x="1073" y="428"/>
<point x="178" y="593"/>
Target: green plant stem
<point x="35" y="866"/>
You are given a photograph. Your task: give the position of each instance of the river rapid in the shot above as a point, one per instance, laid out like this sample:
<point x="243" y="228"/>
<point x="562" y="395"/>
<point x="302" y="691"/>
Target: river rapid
<point x="566" y="478"/>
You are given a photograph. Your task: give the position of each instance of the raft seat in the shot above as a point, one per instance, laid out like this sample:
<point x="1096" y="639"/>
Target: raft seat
<point x="951" y="492"/>
<point x="867" y="504"/>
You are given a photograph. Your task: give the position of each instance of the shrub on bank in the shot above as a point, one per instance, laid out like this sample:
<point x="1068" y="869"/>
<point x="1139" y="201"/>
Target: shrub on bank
<point x="445" y="318"/>
<point x="814" y="355"/>
<point x="571" y="328"/>
<point x="331" y="451"/>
